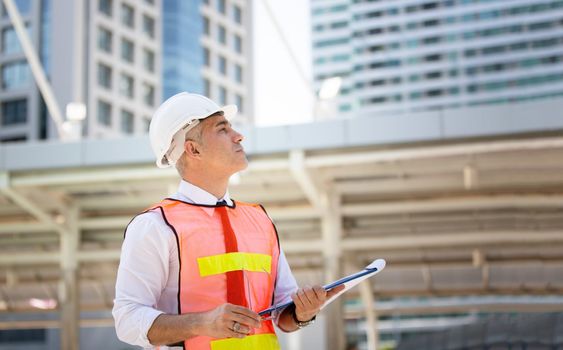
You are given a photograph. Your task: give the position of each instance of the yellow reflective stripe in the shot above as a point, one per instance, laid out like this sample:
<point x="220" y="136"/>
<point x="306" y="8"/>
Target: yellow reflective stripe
<point x="252" y="342"/>
<point x="216" y="264"/>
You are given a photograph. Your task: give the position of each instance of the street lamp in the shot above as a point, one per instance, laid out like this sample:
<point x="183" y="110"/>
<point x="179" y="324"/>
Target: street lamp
<point x="325" y="106"/>
<point x="72" y="127"/>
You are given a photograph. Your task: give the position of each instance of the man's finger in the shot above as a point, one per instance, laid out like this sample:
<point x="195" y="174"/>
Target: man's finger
<point x="334" y="291"/>
<point x="309" y="297"/>
<point x="246" y="312"/>
<point x="297" y="301"/>
<point x="320" y="293"/>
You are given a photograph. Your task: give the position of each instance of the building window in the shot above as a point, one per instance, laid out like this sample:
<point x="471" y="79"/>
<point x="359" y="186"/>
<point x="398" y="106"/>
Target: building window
<point x="237" y="14"/>
<point x="15" y="75"/>
<point x="206" y="26"/>
<point x="222" y="6"/>
<point x="222" y="96"/>
<point x="148" y="60"/>
<point x="127" y="50"/>
<point x="222" y="35"/>
<point x="148" y="94"/>
<point x="223" y="65"/>
<point x="238" y="73"/>
<point x="104" y="113"/>
<point x="126" y="86"/>
<point x="206" y="57"/>
<point x="104" y="75"/>
<point x="104" y="40"/>
<point x="14" y="112"/>
<point x="127" y="15"/>
<point x="11" y="139"/>
<point x="10" y="41"/>
<point x="148" y="26"/>
<point x="239" y="102"/>
<point x="105" y="6"/>
<point x="238" y="44"/>
<point x="127" y="122"/>
<point x="206" y="88"/>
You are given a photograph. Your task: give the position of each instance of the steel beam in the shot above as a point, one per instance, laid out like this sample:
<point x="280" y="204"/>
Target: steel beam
<point x="303" y="177"/>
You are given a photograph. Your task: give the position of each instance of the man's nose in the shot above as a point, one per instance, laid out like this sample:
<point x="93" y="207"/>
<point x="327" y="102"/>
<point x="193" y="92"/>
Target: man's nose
<point x="238" y="137"/>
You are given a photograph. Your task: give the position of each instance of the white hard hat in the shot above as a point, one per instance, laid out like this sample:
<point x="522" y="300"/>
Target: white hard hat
<point x="174" y="118"/>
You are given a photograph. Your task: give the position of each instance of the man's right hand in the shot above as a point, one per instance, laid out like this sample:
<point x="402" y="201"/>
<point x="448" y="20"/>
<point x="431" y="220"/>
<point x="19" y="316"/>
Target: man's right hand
<point x="220" y="322"/>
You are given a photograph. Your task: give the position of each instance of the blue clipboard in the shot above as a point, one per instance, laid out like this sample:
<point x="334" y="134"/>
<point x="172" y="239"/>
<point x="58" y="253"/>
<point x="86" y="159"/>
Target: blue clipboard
<point x="349" y="281"/>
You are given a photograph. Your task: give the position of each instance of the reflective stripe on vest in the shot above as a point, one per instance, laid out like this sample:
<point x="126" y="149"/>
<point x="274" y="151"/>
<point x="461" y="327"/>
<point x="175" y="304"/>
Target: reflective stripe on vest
<point x="204" y="263"/>
<point x="251" y="342"/>
<point x="216" y="264"/>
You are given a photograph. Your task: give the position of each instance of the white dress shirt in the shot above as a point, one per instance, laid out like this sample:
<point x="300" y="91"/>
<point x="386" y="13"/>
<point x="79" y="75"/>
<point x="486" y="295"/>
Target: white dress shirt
<point x="147" y="278"/>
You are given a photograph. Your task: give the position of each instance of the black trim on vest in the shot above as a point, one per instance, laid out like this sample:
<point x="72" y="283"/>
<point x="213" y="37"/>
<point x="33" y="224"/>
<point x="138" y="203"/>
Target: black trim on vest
<point x="204" y="205"/>
<point x="130" y="221"/>
<point x="179" y="267"/>
<point x="182" y="344"/>
<point x="279" y="250"/>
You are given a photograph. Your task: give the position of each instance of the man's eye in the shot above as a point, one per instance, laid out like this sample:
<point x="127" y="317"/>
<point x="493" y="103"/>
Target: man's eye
<point x="222" y="129"/>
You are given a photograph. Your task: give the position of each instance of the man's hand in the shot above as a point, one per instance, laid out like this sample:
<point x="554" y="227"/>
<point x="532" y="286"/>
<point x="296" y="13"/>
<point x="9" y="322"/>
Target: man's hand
<point x="230" y="321"/>
<point x="308" y="301"/>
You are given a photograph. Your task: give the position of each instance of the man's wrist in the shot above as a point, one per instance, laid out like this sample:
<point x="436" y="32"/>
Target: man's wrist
<point x="302" y="321"/>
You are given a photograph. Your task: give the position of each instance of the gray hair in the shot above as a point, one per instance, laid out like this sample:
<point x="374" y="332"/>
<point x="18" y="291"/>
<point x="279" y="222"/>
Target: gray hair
<point x="194" y="134"/>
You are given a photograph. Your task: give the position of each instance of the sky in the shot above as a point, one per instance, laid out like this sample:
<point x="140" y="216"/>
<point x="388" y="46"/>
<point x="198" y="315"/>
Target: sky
<point x="281" y="95"/>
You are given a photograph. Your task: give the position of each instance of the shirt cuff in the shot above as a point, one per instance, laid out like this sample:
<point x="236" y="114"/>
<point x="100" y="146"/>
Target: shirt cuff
<point x="146" y="323"/>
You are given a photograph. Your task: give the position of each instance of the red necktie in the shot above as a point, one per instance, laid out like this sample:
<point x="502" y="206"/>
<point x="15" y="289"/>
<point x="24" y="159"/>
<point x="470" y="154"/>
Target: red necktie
<point x="235" y="279"/>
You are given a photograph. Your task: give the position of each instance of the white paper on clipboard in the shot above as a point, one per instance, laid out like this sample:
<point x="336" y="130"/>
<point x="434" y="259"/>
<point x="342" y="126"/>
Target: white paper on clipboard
<point x="353" y="280"/>
<point x="349" y="282"/>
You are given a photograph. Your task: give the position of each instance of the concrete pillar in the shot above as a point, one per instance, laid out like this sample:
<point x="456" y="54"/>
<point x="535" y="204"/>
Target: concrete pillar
<point x="332" y="256"/>
<point x="68" y="285"/>
<point x="372" y="331"/>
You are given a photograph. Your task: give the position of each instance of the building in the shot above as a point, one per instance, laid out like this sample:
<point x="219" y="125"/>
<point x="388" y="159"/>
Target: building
<point x="105" y="54"/>
<point x="408" y="56"/>
<point x="121" y="58"/>
<point x="207" y="50"/>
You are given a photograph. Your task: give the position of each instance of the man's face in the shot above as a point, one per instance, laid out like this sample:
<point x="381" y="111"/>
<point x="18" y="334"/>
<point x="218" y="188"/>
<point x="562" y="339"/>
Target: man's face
<point x="221" y="149"/>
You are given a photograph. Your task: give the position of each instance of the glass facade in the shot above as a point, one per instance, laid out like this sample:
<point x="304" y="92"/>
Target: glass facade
<point x="183" y="56"/>
<point x="104" y="75"/>
<point x="127" y="50"/>
<point x="10" y="41"/>
<point x="148" y="60"/>
<point x="396" y="57"/>
<point x="104" y="40"/>
<point x="127" y="16"/>
<point x="45" y="43"/>
<point x="126" y="86"/>
<point x="104" y="113"/>
<point x="127" y="122"/>
<point x="106" y="7"/>
<point x="148" y="26"/>
<point x="15" y="75"/>
<point x="14" y="112"/>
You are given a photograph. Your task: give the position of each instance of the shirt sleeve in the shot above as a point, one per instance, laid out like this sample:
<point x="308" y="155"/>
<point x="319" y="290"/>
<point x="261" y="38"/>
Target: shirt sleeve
<point x="141" y="277"/>
<point x="285" y="282"/>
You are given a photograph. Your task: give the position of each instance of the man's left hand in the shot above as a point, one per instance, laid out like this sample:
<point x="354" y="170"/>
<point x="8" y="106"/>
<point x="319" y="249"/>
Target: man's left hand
<point x="309" y="300"/>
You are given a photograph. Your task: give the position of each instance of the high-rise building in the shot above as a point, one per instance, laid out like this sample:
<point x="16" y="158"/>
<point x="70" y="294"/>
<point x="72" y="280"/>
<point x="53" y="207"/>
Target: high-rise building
<point x="121" y="58"/>
<point x="207" y="50"/>
<point x="412" y="55"/>
<point x="103" y="53"/>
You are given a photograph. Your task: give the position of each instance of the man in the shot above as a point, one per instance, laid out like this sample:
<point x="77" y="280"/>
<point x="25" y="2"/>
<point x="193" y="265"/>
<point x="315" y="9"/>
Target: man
<point x="197" y="267"/>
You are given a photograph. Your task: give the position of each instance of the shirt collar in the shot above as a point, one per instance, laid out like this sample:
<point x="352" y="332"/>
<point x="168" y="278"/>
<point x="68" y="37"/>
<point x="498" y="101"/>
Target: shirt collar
<point x="192" y="194"/>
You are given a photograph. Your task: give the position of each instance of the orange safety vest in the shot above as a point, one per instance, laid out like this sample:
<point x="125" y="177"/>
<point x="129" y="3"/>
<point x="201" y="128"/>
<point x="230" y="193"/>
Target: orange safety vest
<point x="204" y="263"/>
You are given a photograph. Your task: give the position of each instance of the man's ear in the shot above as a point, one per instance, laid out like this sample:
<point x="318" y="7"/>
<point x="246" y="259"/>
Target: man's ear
<point x="192" y="149"/>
